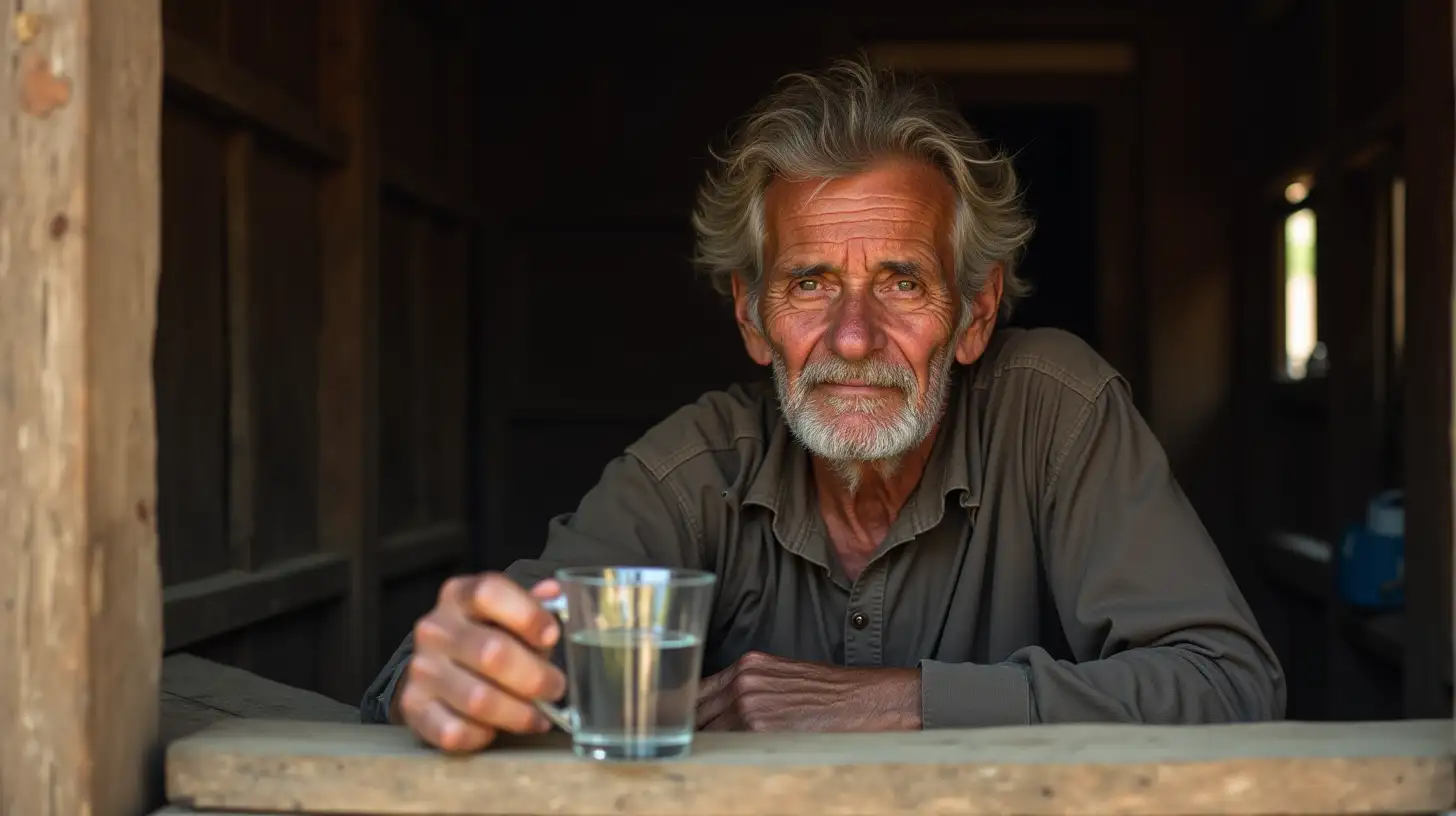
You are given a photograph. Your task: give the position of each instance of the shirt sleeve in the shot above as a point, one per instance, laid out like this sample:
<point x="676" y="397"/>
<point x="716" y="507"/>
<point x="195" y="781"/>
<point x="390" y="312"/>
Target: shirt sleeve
<point x="1159" y="629"/>
<point x="629" y="518"/>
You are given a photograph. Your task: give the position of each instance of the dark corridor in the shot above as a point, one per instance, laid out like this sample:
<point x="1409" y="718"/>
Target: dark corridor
<point x="1055" y="149"/>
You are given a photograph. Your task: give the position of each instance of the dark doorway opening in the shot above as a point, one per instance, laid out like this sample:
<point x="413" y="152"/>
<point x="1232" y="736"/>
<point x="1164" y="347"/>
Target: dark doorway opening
<point x="1055" y="151"/>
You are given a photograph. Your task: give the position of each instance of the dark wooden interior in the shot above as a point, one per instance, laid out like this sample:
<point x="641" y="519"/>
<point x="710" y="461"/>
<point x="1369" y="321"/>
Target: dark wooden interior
<point x="307" y="304"/>
<point x="424" y="271"/>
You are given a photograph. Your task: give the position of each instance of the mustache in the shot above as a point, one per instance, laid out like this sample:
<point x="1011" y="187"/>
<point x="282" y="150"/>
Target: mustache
<point x="876" y="373"/>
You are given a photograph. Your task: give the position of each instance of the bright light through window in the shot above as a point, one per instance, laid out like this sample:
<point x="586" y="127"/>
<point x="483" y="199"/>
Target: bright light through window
<point x="1301" y="332"/>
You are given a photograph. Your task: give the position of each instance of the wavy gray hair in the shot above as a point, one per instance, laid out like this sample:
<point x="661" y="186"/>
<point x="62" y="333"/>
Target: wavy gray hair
<point x="834" y="124"/>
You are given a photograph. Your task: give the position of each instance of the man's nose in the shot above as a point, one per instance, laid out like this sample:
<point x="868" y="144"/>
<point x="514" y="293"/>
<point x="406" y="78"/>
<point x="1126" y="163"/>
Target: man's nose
<point x="855" y="331"/>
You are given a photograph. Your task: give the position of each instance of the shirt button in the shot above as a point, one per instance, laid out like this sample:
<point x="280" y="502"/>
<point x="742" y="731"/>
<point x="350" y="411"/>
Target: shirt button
<point x="858" y="620"/>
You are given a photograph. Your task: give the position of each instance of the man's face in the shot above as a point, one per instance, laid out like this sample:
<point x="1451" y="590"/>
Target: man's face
<point x="860" y="312"/>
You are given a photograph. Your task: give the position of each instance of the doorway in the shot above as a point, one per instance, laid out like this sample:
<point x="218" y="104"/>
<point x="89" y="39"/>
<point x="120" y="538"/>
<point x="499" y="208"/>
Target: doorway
<point x="1055" y="151"/>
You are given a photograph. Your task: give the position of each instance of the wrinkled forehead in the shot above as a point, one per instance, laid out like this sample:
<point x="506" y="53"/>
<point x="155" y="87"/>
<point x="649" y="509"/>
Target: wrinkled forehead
<point x="892" y="202"/>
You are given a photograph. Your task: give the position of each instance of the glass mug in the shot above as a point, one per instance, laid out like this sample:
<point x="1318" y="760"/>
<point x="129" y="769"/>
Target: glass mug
<point x="634" y="655"/>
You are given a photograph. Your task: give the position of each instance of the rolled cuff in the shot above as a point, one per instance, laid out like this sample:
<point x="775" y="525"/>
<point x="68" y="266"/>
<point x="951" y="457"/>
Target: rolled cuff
<point x="972" y="695"/>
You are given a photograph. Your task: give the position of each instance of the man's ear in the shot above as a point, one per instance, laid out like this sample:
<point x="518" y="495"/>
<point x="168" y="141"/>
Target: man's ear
<point x="753" y="340"/>
<point x="985" y="308"/>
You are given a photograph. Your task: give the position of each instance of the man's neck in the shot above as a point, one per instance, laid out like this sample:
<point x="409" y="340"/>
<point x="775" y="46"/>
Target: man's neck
<point x="859" y="505"/>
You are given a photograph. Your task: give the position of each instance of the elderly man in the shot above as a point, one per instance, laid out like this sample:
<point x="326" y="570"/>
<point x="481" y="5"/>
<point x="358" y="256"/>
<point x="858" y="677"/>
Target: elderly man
<point x="925" y="522"/>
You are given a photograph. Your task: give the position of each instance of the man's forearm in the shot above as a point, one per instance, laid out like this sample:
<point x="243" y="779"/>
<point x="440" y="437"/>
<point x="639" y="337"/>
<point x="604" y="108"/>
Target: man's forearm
<point x="1154" y="684"/>
<point x="892" y="698"/>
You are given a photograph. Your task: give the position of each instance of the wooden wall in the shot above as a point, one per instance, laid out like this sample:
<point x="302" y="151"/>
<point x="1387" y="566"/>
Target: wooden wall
<point x="1341" y="93"/>
<point x="426" y="272"/>
<point x="622" y="126"/>
<point x="312" y="361"/>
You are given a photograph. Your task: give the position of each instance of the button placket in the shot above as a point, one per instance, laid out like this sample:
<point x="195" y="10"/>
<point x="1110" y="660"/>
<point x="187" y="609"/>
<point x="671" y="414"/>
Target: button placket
<point x="874" y="606"/>
<point x="855" y="622"/>
<point x="863" y="620"/>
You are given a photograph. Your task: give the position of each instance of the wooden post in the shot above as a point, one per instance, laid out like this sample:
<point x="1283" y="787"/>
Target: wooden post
<point x="242" y="413"/>
<point x="1450" y="491"/>
<point x="349" y="342"/>
<point x="80" y="596"/>
<point x="1429" y="162"/>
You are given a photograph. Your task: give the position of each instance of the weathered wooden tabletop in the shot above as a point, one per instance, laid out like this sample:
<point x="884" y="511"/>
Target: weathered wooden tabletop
<point x="1272" y="768"/>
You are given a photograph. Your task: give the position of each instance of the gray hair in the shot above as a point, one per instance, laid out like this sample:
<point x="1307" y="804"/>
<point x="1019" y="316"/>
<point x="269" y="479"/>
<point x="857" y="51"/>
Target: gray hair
<point x="834" y="124"/>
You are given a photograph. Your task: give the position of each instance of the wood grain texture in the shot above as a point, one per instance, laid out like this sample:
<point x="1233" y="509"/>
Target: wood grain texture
<point x="232" y="92"/>
<point x="1283" y="768"/>
<point x="348" y="342"/>
<point x="240" y="693"/>
<point x="1430" y="131"/>
<point x="173" y="810"/>
<point x="80" y="611"/>
<point x="228" y="601"/>
<point x="242" y="411"/>
<point x="409" y="553"/>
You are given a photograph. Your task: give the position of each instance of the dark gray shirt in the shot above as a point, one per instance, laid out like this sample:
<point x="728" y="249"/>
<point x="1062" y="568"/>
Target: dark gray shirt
<point x="1047" y="568"/>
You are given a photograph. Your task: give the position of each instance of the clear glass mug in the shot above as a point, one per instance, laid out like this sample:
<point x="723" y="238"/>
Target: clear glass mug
<point x="634" y="655"/>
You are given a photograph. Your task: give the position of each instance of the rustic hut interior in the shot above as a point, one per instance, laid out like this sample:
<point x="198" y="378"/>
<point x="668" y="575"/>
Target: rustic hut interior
<point x="534" y="197"/>
<point x="424" y="270"/>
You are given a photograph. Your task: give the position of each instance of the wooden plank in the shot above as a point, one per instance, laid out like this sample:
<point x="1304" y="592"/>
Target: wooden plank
<point x="196" y="693"/>
<point x="1450" y="574"/>
<point x="1267" y="768"/>
<point x="404" y="554"/>
<point x="80" y="207"/>
<point x="208" y="607"/>
<point x="230" y="92"/>
<point x="1349" y="146"/>
<point x="174" y="810"/>
<point x="1000" y="57"/>
<point x="349" y="340"/>
<point x="242" y="413"/>
<point x="1429" y="135"/>
<point x="422" y="275"/>
<point x="430" y="195"/>
<point x="240" y="693"/>
<point x="180" y="716"/>
<point x="1299" y="564"/>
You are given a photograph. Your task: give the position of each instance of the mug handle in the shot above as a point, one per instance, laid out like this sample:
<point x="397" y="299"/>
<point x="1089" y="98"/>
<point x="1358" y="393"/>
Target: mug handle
<point x="563" y="718"/>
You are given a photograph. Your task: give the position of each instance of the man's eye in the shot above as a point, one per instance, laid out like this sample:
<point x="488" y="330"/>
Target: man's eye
<point x="808" y="285"/>
<point x="906" y="285"/>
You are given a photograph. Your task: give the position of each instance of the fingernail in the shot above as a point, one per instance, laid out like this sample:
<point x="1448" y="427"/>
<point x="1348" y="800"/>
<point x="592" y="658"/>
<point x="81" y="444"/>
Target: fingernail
<point x="450" y="735"/>
<point x="551" y="635"/>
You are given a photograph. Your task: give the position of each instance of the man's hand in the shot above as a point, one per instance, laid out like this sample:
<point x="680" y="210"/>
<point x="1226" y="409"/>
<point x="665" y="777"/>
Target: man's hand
<point x="480" y="659"/>
<point x="765" y="693"/>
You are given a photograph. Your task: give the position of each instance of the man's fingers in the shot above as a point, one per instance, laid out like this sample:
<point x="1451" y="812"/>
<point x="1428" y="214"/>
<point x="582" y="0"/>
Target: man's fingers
<point x="494" y="598"/>
<point x="480" y="701"/>
<point x="727" y="722"/>
<point x="493" y="654"/>
<point x="715" y="698"/>
<point x="545" y="590"/>
<point x="709" y="686"/>
<point x="435" y="723"/>
<point x="713" y="708"/>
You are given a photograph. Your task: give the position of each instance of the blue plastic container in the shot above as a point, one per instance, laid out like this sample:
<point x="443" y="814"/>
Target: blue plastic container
<point x="1372" y="556"/>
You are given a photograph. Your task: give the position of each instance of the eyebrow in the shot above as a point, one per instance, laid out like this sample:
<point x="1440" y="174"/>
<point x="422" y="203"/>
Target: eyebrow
<point x="909" y="269"/>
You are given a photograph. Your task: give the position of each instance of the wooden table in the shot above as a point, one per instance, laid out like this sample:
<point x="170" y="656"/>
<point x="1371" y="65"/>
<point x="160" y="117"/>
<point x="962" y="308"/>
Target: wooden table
<point x="257" y="766"/>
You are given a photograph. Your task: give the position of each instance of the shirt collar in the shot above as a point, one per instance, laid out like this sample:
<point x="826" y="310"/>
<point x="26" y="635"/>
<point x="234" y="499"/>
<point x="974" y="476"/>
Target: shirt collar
<point x="782" y="483"/>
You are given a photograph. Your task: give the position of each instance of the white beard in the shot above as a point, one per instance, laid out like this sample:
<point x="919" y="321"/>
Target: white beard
<point x="826" y="430"/>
